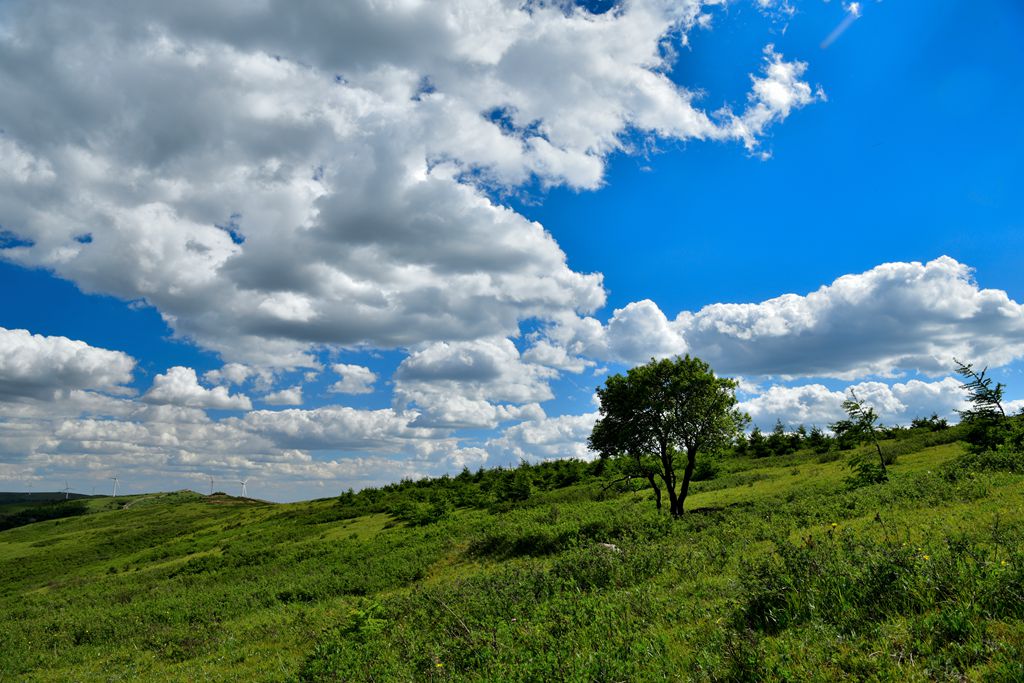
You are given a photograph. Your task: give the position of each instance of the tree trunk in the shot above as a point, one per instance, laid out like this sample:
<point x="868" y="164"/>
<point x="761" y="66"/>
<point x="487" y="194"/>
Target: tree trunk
<point x="673" y="502"/>
<point x="657" y="490"/>
<point x="668" y="474"/>
<point x="691" y="461"/>
<point x="881" y="458"/>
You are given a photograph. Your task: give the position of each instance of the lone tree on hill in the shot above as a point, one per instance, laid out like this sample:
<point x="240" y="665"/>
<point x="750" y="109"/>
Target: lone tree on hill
<point x="657" y="412"/>
<point x="988" y="426"/>
<point x="862" y="426"/>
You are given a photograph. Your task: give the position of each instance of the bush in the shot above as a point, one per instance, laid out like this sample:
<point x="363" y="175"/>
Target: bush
<point x="851" y="583"/>
<point x="704" y="470"/>
<point x="1001" y="459"/>
<point x="866" y="472"/>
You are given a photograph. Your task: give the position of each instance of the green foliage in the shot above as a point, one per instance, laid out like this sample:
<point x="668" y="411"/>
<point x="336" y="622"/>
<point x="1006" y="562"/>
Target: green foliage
<point x="861" y="426"/>
<point x="817" y="441"/>
<point x="950" y="592"/>
<point x="425" y="501"/>
<point x="658" y="412"/>
<point x="986" y="420"/>
<point x="580" y="581"/>
<point x="29" y="514"/>
<point x="705" y="470"/>
<point x="933" y="423"/>
<point x="866" y="471"/>
<point x="1003" y="458"/>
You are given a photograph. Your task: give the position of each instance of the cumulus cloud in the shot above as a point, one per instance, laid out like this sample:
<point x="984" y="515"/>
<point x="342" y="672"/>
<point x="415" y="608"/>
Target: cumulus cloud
<point x="335" y="428"/>
<point x="355" y="379"/>
<point x="543" y="352"/>
<point x="471" y="384"/>
<point x="40" y="367"/>
<point x="285" y="397"/>
<point x="895" y="317"/>
<point x="231" y="373"/>
<point x="640" y="331"/>
<point x="773" y="97"/>
<point x="179" y="386"/>
<point x="546" y="438"/>
<point x="19" y="167"/>
<point x="277" y="177"/>
<point x="284" y="180"/>
<point x="815" y="404"/>
<point x="88" y="436"/>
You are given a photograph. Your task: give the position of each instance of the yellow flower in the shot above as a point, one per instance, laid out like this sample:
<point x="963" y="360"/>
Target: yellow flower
<point x="1004" y="563"/>
<point x="834" y="525"/>
<point x="927" y="557"/>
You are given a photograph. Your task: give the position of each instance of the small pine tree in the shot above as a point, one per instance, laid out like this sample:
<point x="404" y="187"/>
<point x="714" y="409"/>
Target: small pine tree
<point x="778" y="444"/>
<point x="757" y="445"/>
<point x="987" y="426"/>
<point x="862" y="425"/>
<point x="818" y="441"/>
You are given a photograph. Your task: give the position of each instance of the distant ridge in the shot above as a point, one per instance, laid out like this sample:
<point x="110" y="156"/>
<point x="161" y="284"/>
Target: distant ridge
<point x="20" y="497"/>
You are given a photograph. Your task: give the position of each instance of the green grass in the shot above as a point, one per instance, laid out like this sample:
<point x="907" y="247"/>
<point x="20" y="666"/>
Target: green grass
<point x="778" y="572"/>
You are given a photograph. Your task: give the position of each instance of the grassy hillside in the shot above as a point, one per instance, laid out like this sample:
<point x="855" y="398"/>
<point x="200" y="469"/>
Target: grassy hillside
<point x="778" y="572"/>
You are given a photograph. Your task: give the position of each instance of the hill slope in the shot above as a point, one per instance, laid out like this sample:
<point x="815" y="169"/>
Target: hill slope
<point x="779" y="571"/>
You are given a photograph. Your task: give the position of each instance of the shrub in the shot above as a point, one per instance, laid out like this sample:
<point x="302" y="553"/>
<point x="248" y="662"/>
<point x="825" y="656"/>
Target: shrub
<point x="704" y="470"/>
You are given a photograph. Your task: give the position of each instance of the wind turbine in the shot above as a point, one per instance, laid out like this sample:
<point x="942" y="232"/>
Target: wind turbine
<point x="66" y="489"/>
<point x="242" y="482"/>
<point x="115" y="486"/>
<point x="211" y="485"/>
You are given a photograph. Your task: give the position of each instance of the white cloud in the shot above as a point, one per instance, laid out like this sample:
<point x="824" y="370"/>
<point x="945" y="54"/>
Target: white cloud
<point x="20" y="167"/>
<point x="232" y="373"/>
<point x="547" y="438"/>
<point x="335" y="428"/>
<point x="153" y="447"/>
<point x="773" y="97"/>
<point x="39" y="367"/>
<point x="179" y="386"/>
<point x="461" y="384"/>
<point x="279" y="177"/>
<point x="283" y="180"/>
<point x="285" y="397"/>
<point x="355" y="379"/>
<point x="815" y="404"/>
<point x="634" y="334"/>
<point x="640" y="331"/>
<point x="543" y="352"/>
<point x="895" y="317"/>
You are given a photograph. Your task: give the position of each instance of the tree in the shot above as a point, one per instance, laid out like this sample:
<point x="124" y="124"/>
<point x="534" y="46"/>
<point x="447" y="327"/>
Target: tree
<point x="657" y="413"/>
<point x="778" y="444"/>
<point x="757" y="444"/>
<point x="797" y="439"/>
<point x="862" y="426"/>
<point x="933" y="423"/>
<point x="986" y="419"/>
<point x="818" y="441"/>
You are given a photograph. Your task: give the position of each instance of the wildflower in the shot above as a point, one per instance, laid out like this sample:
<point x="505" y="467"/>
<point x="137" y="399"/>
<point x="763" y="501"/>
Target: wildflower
<point x="834" y="525"/>
<point x="926" y="557"/>
<point x="1003" y="563"/>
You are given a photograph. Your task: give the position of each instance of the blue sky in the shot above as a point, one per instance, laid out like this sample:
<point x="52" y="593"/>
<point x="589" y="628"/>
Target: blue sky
<point x="678" y="156"/>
